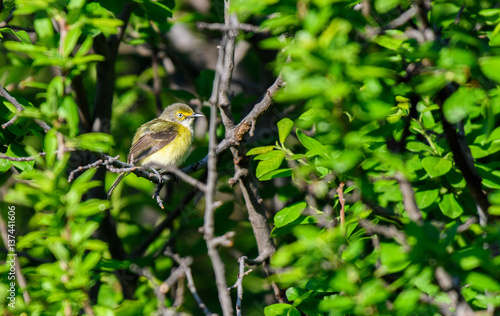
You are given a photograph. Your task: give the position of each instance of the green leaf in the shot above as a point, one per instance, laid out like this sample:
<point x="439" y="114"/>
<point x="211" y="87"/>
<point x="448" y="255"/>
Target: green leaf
<point x="86" y="59"/>
<point x="294" y="293"/>
<point x="71" y="39"/>
<point x="69" y="111"/>
<point x="259" y="150"/>
<point x="92" y="207"/>
<point x="280" y="173"/>
<point x="281" y="310"/>
<point x="4" y="165"/>
<point x="98" y="142"/>
<point x="284" y="128"/>
<point x="269" y="162"/>
<point x="129" y="308"/>
<point x="436" y="166"/>
<point x="157" y="11"/>
<point x="106" y="25"/>
<point x="336" y="302"/>
<point x="90" y="261"/>
<point x="389" y="42"/>
<point x="308" y="142"/>
<point x="490" y="66"/>
<point x="393" y="257"/>
<point x="382" y="6"/>
<point x="50" y="147"/>
<point x="16" y="150"/>
<point x="426" y="198"/>
<point x="482" y="282"/>
<point x="450" y="207"/>
<point x="289" y="214"/>
<point x="461" y="103"/>
<point x="418" y="147"/>
<point x="21" y="35"/>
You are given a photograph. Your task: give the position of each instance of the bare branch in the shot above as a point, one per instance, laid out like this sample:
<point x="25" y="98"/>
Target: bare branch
<point x="188" y="179"/>
<point x="208" y="226"/>
<point x="108" y="161"/>
<point x="409" y="202"/>
<point x="239" y="284"/>
<point x="223" y="27"/>
<point x="190" y="282"/>
<point x="29" y="158"/>
<point x="175" y="275"/>
<point x="452" y="287"/>
<point x="340" y="192"/>
<point x="463" y="159"/>
<point x="386" y="231"/>
<point x="20" y="108"/>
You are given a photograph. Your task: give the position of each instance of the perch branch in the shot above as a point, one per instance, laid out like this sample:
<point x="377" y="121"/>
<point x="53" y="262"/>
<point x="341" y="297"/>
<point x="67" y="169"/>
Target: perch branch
<point x="19" y="108"/>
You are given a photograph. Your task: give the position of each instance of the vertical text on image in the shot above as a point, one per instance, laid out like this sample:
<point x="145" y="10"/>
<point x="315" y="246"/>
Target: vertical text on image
<point x="11" y="260"/>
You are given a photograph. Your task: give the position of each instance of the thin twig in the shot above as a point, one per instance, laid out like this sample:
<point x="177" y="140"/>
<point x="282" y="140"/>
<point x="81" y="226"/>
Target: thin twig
<point x="239" y="284"/>
<point x="190" y="283"/>
<point x="463" y="159"/>
<point x="459" y="15"/>
<point x="29" y="158"/>
<point x="409" y="202"/>
<point x="20" y="108"/>
<point x="223" y="27"/>
<point x="340" y="192"/>
<point x="187" y="178"/>
<point x="104" y="162"/>
<point x="175" y="275"/>
<point x="386" y="231"/>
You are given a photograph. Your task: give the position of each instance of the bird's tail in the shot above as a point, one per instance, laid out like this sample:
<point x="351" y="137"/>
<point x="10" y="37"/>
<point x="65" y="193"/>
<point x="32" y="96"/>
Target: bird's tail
<point x="117" y="181"/>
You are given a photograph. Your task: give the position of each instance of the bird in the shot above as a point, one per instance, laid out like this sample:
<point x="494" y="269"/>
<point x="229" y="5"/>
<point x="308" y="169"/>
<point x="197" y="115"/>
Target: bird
<point x="162" y="142"/>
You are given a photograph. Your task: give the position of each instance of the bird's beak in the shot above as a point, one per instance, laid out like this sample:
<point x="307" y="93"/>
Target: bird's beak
<point x="194" y="115"/>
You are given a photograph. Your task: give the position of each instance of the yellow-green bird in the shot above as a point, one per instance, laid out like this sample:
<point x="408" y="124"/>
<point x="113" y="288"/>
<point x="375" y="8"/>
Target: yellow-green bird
<point x="162" y="142"/>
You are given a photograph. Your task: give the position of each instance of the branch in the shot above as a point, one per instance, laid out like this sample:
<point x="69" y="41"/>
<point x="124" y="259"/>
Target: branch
<point x="239" y="284"/>
<point x="20" y="108"/>
<point x="188" y="179"/>
<point x="452" y="288"/>
<point x="208" y="226"/>
<point x="464" y="160"/>
<point x="190" y="282"/>
<point x="174" y="276"/>
<point x="340" y="192"/>
<point x="224" y="28"/>
<point x="29" y="158"/>
<point x="387" y="231"/>
<point x="234" y="135"/>
<point x="409" y="202"/>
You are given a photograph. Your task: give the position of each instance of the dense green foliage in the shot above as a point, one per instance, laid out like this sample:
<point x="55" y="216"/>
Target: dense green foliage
<point x="378" y="163"/>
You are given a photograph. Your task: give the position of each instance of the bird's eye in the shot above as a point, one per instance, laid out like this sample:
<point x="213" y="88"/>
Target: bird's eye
<point x="179" y="115"/>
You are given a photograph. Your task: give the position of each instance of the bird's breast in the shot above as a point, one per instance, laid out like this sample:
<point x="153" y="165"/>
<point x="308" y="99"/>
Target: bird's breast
<point x="173" y="154"/>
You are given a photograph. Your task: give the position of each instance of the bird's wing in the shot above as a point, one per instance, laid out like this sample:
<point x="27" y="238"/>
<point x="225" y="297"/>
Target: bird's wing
<point x="150" y="138"/>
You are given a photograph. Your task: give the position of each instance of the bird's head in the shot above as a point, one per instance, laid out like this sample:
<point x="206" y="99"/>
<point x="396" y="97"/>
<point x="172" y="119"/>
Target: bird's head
<point x="180" y="113"/>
